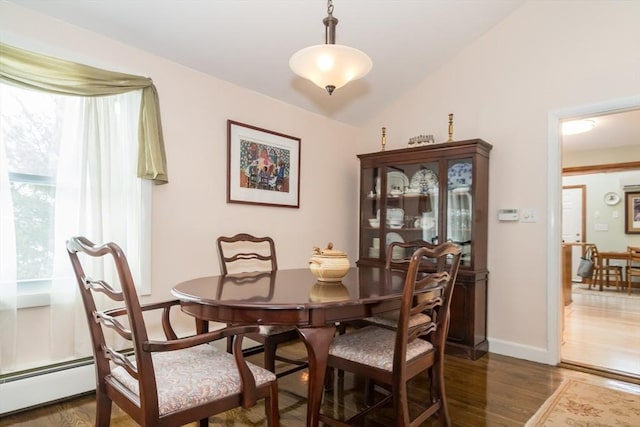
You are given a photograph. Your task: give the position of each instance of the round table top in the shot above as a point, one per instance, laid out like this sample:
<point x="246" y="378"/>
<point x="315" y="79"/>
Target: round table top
<point x="296" y="288"/>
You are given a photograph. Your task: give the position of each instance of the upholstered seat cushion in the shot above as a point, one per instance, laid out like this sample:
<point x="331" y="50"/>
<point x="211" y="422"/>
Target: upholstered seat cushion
<point x="193" y="376"/>
<point x="374" y="346"/>
<point x="390" y="320"/>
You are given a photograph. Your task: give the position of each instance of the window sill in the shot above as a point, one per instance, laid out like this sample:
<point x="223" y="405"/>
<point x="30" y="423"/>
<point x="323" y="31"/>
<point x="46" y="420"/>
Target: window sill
<point x="41" y="299"/>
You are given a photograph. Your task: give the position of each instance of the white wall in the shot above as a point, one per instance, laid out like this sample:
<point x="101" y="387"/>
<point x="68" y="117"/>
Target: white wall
<point x="629" y="153"/>
<point x="600" y="215"/>
<point x="191" y="211"/>
<point x="545" y="57"/>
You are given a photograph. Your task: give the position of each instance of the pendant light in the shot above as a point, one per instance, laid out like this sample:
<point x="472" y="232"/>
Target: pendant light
<point x="330" y="65"/>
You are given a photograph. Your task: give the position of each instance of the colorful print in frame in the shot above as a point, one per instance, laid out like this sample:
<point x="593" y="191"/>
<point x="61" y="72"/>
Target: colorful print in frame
<point x="263" y="167"/>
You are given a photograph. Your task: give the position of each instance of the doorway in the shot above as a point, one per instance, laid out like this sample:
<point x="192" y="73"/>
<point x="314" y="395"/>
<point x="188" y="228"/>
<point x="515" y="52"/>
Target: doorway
<point x="602" y="350"/>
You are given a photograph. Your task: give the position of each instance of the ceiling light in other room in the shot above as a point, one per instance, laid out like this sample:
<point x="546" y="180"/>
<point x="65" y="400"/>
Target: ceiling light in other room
<point x="577" y="126"/>
<point x="330" y="65"/>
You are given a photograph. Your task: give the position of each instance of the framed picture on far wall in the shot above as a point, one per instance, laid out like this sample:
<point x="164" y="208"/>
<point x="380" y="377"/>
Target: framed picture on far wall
<point x="263" y="167"/>
<point x="632" y="213"/>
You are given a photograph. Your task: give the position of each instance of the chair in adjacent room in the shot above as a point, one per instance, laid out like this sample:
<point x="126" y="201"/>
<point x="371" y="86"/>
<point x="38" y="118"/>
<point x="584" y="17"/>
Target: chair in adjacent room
<point x="169" y="382"/>
<point x="633" y="265"/>
<point x="392" y="357"/>
<point x="603" y="273"/>
<point x="244" y="253"/>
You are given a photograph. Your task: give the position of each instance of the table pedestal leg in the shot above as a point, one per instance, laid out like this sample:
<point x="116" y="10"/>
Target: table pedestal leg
<point x="317" y="341"/>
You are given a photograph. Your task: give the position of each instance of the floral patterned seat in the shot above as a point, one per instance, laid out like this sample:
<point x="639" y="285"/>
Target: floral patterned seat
<point x="186" y="378"/>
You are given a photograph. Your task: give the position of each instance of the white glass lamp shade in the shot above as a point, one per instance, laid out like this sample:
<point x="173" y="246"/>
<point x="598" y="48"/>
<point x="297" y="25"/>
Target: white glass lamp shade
<point x="330" y="65"/>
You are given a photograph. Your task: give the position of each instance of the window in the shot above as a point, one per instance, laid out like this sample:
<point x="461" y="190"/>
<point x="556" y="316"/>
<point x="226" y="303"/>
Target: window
<point x="30" y="131"/>
<point x="67" y="167"/>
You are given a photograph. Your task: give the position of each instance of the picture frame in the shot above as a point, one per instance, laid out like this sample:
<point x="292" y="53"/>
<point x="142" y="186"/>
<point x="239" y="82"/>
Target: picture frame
<point x="263" y="166"/>
<point x="632" y="212"/>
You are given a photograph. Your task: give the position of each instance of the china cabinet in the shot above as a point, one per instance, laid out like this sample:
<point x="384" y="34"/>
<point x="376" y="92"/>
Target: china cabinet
<point x="435" y="193"/>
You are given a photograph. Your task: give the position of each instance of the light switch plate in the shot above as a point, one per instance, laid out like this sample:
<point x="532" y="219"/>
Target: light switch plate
<point x="528" y="215"/>
<point x="601" y="227"/>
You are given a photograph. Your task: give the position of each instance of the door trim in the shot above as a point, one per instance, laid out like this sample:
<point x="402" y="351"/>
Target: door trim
<point x="554" y="210"/>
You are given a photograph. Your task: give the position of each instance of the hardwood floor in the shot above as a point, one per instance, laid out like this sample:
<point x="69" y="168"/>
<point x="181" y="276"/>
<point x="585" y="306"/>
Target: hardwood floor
<point x="492" y="391"/>
<point x="602" y="331"/>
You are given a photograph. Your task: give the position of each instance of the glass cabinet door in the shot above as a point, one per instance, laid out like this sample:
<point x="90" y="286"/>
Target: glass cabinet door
<point x="420" y="201"/>
<point x="370" y="216"/>
<point x="460" y="205"/>
<point x="398" y="204"/>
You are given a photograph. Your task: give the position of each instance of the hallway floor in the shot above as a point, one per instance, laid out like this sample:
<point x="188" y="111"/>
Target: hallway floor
<point x="602" y="329"/>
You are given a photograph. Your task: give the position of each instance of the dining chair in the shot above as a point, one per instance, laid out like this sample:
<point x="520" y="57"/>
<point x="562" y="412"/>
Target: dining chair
<point x="633" y="265"/>
<point x="604" y="273"/>
<point x="392" y="357"/>
<point x="169" y="382"/>
<point x="245" y="253"/>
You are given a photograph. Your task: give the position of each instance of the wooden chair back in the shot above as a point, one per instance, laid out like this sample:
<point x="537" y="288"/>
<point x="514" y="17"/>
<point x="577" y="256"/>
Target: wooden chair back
<point x="398" y="257"/>
<point x="128" y="322"/>
<point x="603" y="273"/>
<point x="245" y="253"/>
<point x="438" y="284"/>
<point x="634" y="257"/>
<point x="399" y="254"/>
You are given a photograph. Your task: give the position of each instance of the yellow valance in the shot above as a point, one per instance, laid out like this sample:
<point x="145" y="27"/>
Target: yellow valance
<point x="30" y="70"/>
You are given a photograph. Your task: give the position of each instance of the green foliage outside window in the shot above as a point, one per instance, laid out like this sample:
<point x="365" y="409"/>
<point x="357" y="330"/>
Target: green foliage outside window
<point x="30" y="129"/>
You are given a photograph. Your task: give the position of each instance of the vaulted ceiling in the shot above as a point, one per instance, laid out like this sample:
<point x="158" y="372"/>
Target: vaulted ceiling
<point x="249" y="42"/>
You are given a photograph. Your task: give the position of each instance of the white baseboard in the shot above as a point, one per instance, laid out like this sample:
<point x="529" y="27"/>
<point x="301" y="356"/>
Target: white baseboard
<point x="40" y="389"/>
<point x="519" y="351"/>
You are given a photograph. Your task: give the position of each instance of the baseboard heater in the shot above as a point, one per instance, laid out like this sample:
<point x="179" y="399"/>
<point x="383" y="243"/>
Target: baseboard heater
<point x="32" y="389"/>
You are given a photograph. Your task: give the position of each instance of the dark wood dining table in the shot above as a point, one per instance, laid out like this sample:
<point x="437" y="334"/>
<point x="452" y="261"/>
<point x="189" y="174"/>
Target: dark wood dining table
<point x="295" y="298"/>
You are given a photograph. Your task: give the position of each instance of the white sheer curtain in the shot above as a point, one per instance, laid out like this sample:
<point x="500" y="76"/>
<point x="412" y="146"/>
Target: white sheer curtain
<point x="99" y="196"/>
<point x="8" y="283"/>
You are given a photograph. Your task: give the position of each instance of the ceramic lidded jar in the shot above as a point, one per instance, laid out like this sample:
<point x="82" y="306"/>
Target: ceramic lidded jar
<point x="328" y="265"/>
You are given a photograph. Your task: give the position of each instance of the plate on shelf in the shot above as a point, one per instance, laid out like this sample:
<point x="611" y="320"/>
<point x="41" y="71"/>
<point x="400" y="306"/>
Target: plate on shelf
<point x="459" y="175"/>
<point x="424" y="178"/>
<point x="396" y="179"/>
<point x="395" y="213"/>
<point x="394" y="237"/>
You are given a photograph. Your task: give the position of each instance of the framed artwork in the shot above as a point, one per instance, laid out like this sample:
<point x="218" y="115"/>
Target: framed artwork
<point x="632" y="213"/>
<point x="263" y="167"/>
